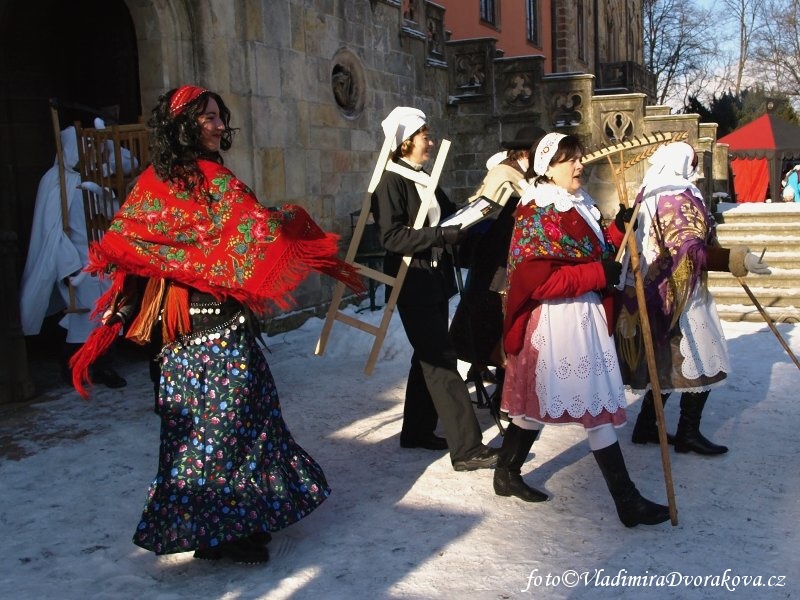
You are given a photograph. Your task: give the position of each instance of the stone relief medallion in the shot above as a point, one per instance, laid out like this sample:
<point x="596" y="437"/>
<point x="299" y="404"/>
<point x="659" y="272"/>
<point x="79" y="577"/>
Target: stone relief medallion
<point x="470" y="70"/>
<point x="348" y="83"/>
<point x="518" y="89"/>
<point x="618" y="127"/>
<point x="566" y="109"/>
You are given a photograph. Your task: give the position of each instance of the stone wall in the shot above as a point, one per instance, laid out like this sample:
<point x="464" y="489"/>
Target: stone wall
<point x="492" y="97"/>
<point x="308" y="85"/>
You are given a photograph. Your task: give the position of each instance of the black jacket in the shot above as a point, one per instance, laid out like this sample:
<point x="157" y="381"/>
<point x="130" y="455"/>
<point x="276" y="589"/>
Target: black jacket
<point x="395" y="204"/>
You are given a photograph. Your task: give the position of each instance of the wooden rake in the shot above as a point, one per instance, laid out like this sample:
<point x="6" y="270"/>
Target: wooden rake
<point x="650" y="144"/>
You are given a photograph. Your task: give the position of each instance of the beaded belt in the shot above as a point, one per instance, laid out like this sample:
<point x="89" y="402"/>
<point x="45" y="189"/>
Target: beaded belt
<point x="214" y="332"/>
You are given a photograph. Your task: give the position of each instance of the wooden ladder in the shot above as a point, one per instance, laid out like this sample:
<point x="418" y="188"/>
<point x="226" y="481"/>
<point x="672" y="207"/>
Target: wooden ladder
<point x="429" y="182"/>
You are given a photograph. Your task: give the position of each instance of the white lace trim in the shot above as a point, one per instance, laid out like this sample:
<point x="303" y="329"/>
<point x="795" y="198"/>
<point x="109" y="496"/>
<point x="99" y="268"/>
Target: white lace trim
<point x="703" y="345"/>
<point x="577" y="369"/>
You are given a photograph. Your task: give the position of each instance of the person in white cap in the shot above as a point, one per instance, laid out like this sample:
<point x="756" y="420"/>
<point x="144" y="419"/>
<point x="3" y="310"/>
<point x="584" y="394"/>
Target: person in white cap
<point x="561" y="361"/>
<point x="676" y="235"/>
<point x="435" y="390"/>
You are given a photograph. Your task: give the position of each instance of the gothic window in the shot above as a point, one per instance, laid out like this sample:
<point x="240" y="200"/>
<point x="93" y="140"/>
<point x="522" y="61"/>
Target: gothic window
<point x="532" y="25"/>
<point x="489" y="11"/>
<point x="411" y="10"/>
<point x="581" y="31"/>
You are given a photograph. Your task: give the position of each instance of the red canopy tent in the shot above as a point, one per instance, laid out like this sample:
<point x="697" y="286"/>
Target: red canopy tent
<point x="760" y="152"/>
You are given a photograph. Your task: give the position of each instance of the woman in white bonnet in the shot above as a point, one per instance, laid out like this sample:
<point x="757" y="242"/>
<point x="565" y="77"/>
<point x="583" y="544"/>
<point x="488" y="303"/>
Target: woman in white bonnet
<point x="435" y="390"/>
<point x="562" y="365"/>
<point x="677" y="238"/>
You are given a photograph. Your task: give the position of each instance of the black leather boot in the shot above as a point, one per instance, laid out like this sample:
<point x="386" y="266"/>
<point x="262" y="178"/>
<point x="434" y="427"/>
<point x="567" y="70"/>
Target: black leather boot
<point x="508" y="481"/>
<point x="646" y="430"/>
<point x="632" y="508"/>
<point x="688" y="437"/>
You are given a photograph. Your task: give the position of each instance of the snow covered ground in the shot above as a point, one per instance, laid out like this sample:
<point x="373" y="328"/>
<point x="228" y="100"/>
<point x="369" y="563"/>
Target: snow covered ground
<point x="401" y="523"/>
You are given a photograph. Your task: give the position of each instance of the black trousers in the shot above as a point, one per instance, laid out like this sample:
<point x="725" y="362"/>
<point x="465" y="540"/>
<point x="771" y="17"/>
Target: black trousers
<point x="435" y="387"/>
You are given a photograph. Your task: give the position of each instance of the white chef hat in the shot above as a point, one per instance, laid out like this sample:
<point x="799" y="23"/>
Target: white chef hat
<point x="402" y="123"/>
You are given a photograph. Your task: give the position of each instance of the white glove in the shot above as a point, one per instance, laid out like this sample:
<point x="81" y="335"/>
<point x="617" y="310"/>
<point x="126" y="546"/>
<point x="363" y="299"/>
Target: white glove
<point x="755" y="265"/>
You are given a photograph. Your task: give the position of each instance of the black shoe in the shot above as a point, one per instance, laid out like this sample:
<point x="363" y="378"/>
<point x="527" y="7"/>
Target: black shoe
<point x="484" y="458"/>
<point x="428" y="442"/>
<point x="262" y="538"/>
<point x="108" y="377"/>
<point x="245" y="552"/>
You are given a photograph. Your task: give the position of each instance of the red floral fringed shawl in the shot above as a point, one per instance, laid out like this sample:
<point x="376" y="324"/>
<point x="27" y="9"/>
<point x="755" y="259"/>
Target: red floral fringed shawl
<point x="544" y="239"/>
<point x="217" y="239"/>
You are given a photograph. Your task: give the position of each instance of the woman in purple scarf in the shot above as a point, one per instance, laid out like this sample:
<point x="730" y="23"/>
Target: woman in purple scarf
<point x="678" y="245"/>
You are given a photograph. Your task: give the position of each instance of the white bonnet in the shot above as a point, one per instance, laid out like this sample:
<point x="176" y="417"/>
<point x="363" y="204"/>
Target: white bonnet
<point x="673" y="159"/>
<point x="545" y="151"/>
<point x="402" y="123"/>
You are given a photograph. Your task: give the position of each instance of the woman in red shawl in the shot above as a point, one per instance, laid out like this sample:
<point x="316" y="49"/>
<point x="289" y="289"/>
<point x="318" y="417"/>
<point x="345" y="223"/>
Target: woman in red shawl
<point x="208" y="256"/>
<point x="561" y="361"/>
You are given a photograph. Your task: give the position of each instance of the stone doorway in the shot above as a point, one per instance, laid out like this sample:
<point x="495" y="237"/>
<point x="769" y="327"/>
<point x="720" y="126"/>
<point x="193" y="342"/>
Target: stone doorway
<point x="85" y="55"/>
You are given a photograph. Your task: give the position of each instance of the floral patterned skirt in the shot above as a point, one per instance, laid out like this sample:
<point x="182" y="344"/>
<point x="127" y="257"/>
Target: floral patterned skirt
<point x="228" y="466"/>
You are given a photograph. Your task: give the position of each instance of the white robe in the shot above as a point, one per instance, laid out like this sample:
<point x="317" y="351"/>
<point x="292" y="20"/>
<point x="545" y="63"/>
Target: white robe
<point x="54" y="254"/>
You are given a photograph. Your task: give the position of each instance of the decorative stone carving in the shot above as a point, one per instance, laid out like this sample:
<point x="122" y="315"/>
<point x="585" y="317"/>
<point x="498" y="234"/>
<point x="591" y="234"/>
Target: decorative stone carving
<point x="618" y="127"/>
<point x="518" y="89"/>
<point x="566" y="111"/>
<point x="434" y="29"/>
<point x="348" y="83"/>
<point x="470" y="71"/>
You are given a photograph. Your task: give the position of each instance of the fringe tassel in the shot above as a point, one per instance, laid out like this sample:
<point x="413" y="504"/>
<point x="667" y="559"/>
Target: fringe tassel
<point x="96" y="345"/>
<point x="141" y="329"/>
<point x="629" y="340"/>
<point x="175" y="316"/>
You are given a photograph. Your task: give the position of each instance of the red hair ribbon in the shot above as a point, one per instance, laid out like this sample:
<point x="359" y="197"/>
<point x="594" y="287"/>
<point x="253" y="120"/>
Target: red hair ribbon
<point x="183" y="96"/>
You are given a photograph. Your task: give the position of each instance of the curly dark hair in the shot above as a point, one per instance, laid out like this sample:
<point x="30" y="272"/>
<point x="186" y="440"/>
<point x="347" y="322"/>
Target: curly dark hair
<point x="568" y="148"/>
<point x="175" y="144"/>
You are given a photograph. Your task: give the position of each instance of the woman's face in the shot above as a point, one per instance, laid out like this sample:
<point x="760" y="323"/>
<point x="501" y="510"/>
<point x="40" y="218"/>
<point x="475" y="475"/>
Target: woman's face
<point x="211" y="127"/>
<point x="567" y="174"/>
<point x="422" y="145"/>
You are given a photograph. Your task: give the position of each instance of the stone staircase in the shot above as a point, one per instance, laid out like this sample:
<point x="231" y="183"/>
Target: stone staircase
<point x="776" y="227"/>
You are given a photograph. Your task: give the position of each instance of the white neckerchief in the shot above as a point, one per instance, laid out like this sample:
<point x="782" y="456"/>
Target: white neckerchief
<point x="546" y="194"/>
<point x="414" y="172"/>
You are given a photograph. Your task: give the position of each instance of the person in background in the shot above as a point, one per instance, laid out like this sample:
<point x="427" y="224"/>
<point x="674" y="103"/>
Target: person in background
<point x="791" y="185"/>
<point x="561" y="362"/>
<point x="477" y="326"/>
<point x="677" y="241"/>
<point x="434" y="390"/>
<point x="193" y="254"/>
<point x="55" y="262"/>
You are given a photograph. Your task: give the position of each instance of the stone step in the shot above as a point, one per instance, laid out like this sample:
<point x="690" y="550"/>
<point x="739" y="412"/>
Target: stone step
<point x="776" y="227"/>
<point x="780" y="278"/>
<point x="784" y="212"/>
<point x="767" y="230"/>
<point x="775" y="297"/>
<point x="749" y="313"/>
<point x="758" y="241"/>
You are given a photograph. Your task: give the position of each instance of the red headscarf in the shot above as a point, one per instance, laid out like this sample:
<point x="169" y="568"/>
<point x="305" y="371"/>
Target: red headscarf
<point x="183" y="96"/>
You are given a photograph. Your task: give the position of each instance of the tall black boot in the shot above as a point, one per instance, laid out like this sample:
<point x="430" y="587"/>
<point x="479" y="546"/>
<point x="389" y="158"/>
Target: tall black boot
<point x="688" y="437"/>
<point x="508" y="481"/>
<point x="632" y="508"/>
<point x="646" y="430"/>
